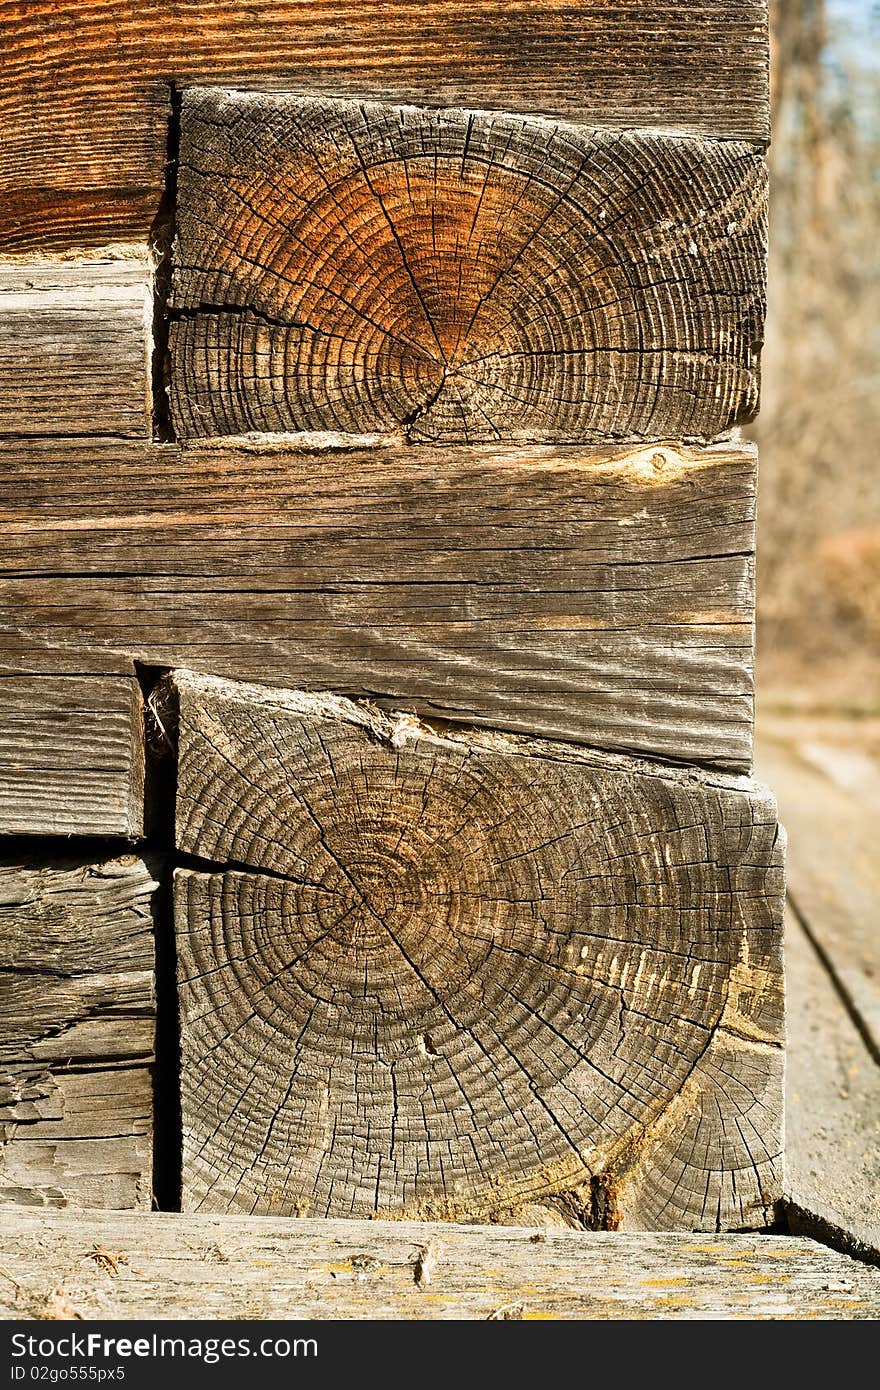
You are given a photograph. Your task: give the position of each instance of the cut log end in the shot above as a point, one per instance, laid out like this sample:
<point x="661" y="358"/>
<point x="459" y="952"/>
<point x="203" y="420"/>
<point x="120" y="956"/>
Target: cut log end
<point x="441" y="976"/>
<point x="459" y="276"/>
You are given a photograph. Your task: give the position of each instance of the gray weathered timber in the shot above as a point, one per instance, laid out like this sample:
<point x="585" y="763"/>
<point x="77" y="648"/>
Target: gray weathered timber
<point x="601" y="595"/>
<point x="449" y="974"/>
<point x="459" y="276"/>
<point x="84" y="105"/>
<point x="834" y="866"/>
<point x="107" y="1265"/>
<point x="832" y="1109"/>
<point x="73" y="348"/>
<point x="71" y="756"/>
<point x="76" y="1033"/>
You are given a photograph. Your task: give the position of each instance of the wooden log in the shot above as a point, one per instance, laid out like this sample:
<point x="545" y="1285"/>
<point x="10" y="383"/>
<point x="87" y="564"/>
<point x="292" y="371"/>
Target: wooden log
<point x="257" y="1268"/>
<point x="73" y="346"/>
<point x="459" y="276"/>
<point x="77" y="1013"/>
<point x="832" y="1110"/>
<point x="85" y="102"/>
<point x="71" y="756"/>
<point x="599" y="595"/>
<point x="449" y="974"/>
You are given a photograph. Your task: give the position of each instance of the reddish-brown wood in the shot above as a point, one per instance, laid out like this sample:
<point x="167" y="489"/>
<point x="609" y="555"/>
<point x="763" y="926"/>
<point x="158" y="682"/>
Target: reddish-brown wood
<point x="85" y="99"/>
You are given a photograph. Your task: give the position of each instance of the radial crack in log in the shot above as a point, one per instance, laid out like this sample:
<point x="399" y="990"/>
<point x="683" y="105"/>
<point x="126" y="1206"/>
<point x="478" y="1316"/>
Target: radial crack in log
<point x="459" y="275"/>
<point x="467" y="971"/>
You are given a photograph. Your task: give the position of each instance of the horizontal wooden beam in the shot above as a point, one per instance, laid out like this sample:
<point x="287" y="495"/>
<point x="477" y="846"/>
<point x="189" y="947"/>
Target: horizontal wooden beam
<point x="459" y="275"/>
<point x="73" y="348"/>
<point x="171" y="1267"/>
<point x="85" y="104"/>
<point x="71" y="755"/>
<point x="604" y="596"/>
<point x="78" y="1018"/>
<point x="452" y="973"/>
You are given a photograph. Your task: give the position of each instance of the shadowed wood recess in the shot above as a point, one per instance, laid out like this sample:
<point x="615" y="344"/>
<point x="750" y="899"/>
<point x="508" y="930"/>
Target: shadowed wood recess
<point x="600" y="595"/>
<point x="73" y="354"/>
<point x="84" y="104"/>
<point x="459" y="276"/>
<point x="71" y="755"/>
<point x="76" y="1033"/>
<point x="225" y="1267"/>
<point x="450" y="974"/>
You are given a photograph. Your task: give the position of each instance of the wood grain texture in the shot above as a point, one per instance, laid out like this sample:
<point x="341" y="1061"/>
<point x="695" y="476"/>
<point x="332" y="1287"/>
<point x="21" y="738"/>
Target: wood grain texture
<point x="447" y="975"/>
<point x="84" y="105"/>
<point x="603" y="596"/>
<point x="71" y="756"/>
<point x="459" y="276"/>
<point x="258" y="1268"/>
<point x="832" y="1110"/>
<point x="77" y="1014"/>
<point x="73" y="345"/>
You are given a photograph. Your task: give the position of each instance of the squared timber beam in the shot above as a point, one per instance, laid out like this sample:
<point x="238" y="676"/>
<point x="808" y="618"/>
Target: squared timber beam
<point x="261" y="1268"/>
<point x="449" y="973"/>
<point x="604" y="595"/>
<point x="71" y="755"/>
<point x="73" y="346"/>
<point x="77" y="1026"/>
<point x="459" y="276"/>
<point x="86" y="104"/>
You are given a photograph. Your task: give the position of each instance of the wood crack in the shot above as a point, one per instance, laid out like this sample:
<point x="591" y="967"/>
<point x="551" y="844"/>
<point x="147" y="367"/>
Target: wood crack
<point x="509" y="278"/>
<point x="479" y="1013"/>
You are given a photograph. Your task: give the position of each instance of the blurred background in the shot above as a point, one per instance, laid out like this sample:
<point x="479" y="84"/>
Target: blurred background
<point x="819" y="428"/>
<point x="818" y="660"/>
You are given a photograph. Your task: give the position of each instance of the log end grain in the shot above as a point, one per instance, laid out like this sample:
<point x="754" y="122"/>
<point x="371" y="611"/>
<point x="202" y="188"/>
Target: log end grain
<point x="459" y="275"/>
<point x="449" y="974"/>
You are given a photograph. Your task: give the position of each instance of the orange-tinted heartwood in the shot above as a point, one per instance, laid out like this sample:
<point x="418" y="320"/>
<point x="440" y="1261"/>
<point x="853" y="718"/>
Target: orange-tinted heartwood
<point x="455" y="275"/>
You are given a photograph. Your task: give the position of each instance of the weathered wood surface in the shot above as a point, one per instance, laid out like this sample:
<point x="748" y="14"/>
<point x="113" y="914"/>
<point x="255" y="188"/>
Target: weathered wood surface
<point x="599" y="595"/>
<point x="84" y="106"/>
<point x="832" y="1109"/>
<point x="76" y="1033"/>
<point x="459" y="276"/>
<point x="218" y="1267"/>
<point x="73" y="348"/>
<point x="71" y="756"/>
<point x="834" y="860"/>
<point x="447" y="975"/>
